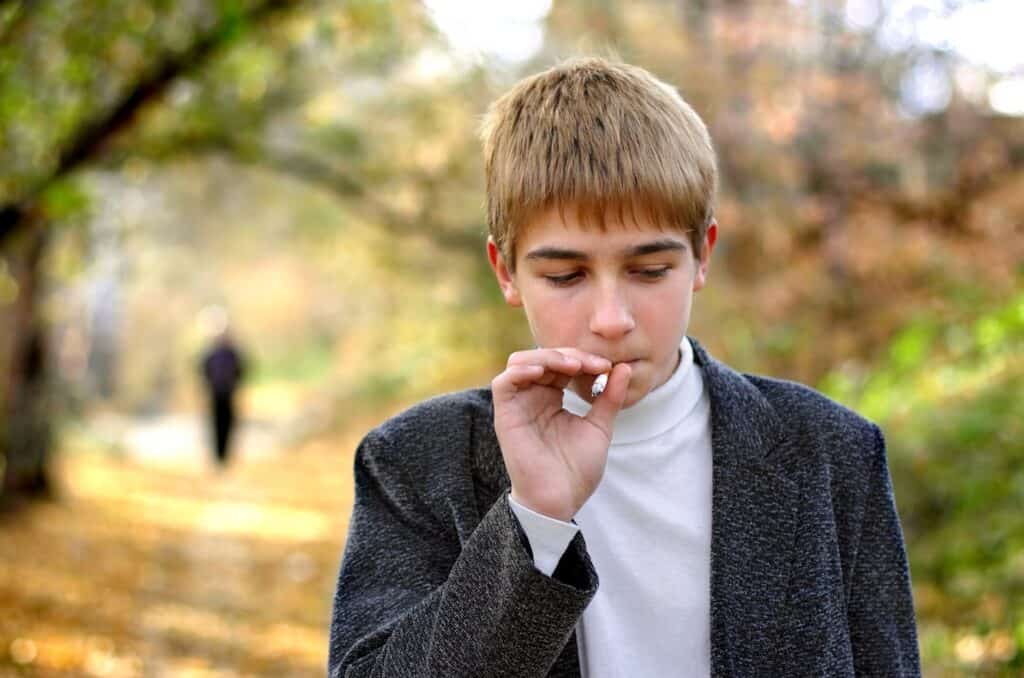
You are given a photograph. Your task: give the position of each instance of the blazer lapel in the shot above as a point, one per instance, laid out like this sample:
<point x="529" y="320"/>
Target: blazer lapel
<point x="753" y="521"/>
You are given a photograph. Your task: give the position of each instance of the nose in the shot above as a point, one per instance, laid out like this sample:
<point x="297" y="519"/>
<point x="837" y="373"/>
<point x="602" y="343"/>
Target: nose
<point x="611" y="317"/>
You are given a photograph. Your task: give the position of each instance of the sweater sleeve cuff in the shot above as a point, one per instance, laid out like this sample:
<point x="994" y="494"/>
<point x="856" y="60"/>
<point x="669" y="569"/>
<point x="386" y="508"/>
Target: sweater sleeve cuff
<point x="548" y="537"/>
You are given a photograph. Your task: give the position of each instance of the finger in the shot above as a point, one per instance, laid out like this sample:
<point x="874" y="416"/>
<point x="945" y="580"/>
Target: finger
<point x="516" y="378"/>
<point x="549" y="359"/>
<point x="555" y="380"/>
<point x="607" y="405"/>
<point x="590" y="363"/>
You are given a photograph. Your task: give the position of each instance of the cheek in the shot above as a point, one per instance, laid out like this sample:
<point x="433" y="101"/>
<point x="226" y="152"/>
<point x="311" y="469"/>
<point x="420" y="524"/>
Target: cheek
<point x="666" y="316"/>
<point x="552" y="322"/>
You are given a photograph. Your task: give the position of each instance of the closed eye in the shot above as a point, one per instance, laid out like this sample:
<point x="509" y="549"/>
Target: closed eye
<point x="654" y="273"/>
<point x="563" y="280"/>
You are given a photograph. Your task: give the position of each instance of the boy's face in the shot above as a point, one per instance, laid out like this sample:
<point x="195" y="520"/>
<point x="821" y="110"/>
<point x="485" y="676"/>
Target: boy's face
<point x="624" y="293"/>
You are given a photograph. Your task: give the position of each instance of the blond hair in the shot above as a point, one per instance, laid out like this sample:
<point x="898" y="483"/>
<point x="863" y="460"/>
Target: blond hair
<point x="606" y="137"/>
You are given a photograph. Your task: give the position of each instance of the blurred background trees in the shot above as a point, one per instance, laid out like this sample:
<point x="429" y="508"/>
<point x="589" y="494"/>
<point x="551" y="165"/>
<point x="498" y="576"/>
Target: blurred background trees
<point x="313" y="168"/>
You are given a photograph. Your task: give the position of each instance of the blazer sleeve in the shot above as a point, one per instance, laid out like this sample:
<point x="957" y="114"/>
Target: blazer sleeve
<point x="880" y="606"/>
<point x="413" y="601"/>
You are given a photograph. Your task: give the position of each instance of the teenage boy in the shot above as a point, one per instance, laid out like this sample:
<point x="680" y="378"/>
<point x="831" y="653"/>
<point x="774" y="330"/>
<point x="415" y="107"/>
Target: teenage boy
<point x="741" y="526"/>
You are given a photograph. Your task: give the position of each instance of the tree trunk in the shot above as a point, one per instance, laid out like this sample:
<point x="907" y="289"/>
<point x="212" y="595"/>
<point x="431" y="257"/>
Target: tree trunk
<point x="25" y="437"/>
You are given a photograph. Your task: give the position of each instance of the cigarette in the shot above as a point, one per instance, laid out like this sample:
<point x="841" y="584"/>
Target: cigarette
<point x="599" y="385"/>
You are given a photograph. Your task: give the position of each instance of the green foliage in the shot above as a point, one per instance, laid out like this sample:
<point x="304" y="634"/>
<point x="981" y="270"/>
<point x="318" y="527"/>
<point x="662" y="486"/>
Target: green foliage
<point x="308" y="363"/>
<point x="233" y="24"/>
<point x="949" y="397"/>
<point x="66" y="202"/>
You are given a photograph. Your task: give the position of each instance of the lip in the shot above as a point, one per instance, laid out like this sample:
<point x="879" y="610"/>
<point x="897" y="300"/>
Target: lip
<point x="632" y="362"/>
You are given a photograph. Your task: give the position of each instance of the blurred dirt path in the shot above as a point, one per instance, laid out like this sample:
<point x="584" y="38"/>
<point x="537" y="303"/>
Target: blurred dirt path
<point x="183" y="439"/>
<point x="153" y="563"/>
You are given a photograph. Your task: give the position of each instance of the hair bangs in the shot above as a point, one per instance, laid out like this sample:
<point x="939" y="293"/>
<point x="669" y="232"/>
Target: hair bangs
<point x="608" y="140"/>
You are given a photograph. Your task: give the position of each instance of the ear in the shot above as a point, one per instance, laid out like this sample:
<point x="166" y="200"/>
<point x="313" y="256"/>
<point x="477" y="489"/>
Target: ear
<point x="701" y="277"/>
<point x="506" y="279"/>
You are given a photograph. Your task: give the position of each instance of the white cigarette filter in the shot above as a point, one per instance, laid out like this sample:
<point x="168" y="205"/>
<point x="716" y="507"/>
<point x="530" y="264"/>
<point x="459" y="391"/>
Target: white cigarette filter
<point x="599" y="385"/>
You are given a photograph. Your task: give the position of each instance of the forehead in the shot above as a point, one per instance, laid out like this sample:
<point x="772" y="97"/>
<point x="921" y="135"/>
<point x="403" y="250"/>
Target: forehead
<point x="563" y="228"/>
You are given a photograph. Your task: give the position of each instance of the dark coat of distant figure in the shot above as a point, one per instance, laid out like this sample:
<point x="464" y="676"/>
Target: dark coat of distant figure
<point x="223" y="369"/>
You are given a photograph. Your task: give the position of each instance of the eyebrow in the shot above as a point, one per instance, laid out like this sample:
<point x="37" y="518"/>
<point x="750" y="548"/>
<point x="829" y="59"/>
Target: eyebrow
<point x="561" y="253"/>
<point x="664" y="245"/>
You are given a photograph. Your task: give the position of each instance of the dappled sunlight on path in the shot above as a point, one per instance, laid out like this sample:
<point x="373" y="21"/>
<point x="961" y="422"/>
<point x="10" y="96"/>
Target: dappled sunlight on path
<point x="160" y="568"/>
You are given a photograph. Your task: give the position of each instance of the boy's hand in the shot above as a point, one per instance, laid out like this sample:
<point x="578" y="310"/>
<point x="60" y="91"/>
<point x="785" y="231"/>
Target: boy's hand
<point x="554" y="458"/>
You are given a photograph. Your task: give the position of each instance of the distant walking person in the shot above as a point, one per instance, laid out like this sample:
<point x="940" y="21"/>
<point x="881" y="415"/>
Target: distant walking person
<point x="223" y="369"/>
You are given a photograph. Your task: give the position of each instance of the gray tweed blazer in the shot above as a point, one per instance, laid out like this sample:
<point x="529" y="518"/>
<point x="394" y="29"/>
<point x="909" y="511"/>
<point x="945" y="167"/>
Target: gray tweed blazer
<point x="809" y="574"/>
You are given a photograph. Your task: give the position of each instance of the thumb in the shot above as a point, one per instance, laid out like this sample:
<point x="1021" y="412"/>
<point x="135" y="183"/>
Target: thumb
<point x="607" y="405"/>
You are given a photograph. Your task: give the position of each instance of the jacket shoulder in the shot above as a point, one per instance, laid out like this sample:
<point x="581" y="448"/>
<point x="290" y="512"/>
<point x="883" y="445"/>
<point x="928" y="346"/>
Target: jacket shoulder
<point x="819" y="424"/>
<point x="438" y="419"/>
<point x="432" y="442"/>
<point x="425" y="458"/>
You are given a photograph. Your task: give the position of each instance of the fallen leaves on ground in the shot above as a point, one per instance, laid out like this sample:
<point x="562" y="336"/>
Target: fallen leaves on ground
<point x="176" y="570"/>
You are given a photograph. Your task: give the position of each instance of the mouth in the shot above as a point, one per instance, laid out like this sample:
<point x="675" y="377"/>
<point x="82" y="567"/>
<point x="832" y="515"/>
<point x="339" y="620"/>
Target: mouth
<point x="633" y="364"/>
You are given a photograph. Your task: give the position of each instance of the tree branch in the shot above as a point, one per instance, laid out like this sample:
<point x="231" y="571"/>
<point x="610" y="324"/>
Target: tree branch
<point x="315" y="171"/>
<point x="318" y="171"/>
<point x="91" y="138"/>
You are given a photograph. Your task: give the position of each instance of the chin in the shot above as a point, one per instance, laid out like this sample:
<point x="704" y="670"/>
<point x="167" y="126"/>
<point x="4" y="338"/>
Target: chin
<point x="633" y="396"/>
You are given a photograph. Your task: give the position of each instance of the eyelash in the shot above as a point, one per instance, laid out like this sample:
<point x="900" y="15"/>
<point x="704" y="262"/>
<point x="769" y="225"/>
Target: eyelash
<point x="650" y="274"/>
<point x="562" y="280"/>
<point x="655" y="273"/>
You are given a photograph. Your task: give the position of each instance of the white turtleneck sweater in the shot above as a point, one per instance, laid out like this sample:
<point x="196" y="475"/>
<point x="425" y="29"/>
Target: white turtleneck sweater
<point x="648" y="532"/>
